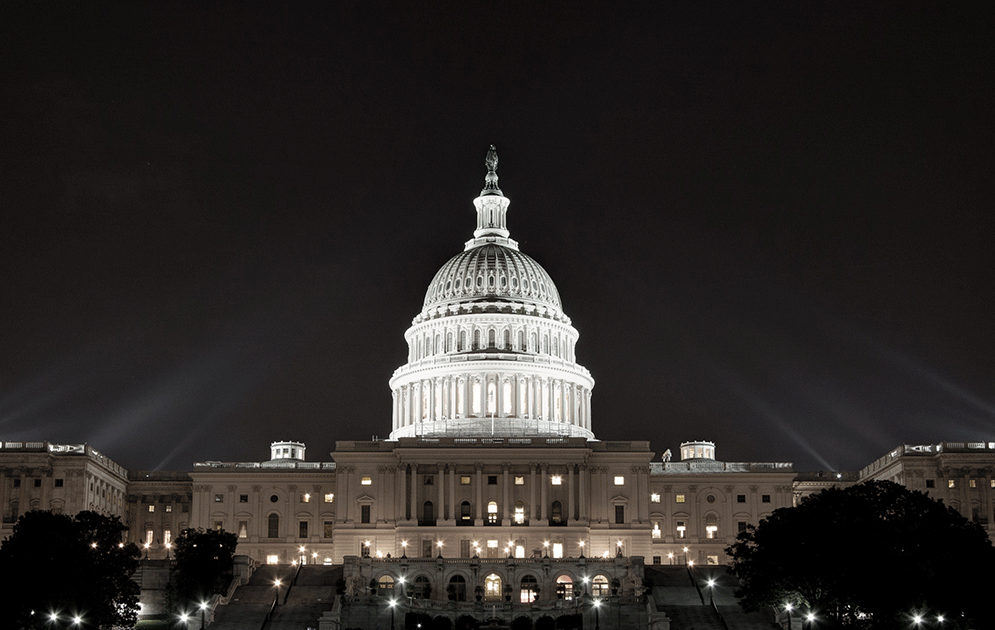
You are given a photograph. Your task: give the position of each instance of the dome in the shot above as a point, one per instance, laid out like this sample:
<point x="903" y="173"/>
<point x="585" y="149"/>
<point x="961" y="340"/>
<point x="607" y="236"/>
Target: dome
<point x="492" y="272"/>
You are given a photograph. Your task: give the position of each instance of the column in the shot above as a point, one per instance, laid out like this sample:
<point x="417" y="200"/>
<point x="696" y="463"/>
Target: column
<point x="440" y="514"/>
<point x="452" y="493"/>
<point x="582" y="474"/>
<point x="542" y="492"/>
<point x="505" y="511"/>
<point x="570" y="493"/>
<point x="532" y="514"/>
<point x="381" y="500"/>
<point x="480" y="493"/>
<point x="414" y="493"/>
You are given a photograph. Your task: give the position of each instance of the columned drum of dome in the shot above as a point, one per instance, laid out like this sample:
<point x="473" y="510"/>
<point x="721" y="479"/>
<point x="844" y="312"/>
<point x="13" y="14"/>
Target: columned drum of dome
<point x="492" y="353"/>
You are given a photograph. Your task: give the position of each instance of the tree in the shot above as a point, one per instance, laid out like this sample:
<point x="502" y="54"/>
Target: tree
<point x="69" y="565"/>
<point x="203" y="559"/>
<point x="871" y="555"/>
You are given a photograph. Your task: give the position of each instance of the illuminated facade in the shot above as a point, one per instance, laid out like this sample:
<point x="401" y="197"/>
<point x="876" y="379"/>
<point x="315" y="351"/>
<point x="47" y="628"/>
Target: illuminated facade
<point x="491" y="454"/>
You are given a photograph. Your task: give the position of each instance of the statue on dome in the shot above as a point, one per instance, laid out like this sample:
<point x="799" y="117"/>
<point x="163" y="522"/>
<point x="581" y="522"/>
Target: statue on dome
<point x="491" y="161"/>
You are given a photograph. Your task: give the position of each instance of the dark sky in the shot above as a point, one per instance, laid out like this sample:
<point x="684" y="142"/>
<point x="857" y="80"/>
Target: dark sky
<point x="771" y="225"/>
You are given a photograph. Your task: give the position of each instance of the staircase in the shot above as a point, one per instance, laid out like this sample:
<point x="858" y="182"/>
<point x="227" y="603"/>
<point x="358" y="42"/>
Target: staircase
<point x="675" y="594"/>
<point x="251" y="605"/>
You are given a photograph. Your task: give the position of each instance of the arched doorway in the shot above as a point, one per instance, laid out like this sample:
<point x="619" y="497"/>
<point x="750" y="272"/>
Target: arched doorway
<point x="529" y="590"/>
<point x="456" y="591"/>
<point x="492" y="588"/>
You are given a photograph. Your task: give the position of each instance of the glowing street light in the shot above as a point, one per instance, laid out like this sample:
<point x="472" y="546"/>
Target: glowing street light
<point x="545" y="544"/>
<point x="77" y="620"/>
<point x="810" y="618"/>
<point x="581" y="543"/>
<point x="788" y="608"/>
<point x="392" y="603"/>
<point x="917" y="619"/>
<point x="185" y="619"/>
<point x="439" y="544"/>
<point x="711" y="591"/>
<point x="597" y="616"/>
<point x="147" y="545"/>
<point x="404" y="549"/>
<point x="203" y="615"/>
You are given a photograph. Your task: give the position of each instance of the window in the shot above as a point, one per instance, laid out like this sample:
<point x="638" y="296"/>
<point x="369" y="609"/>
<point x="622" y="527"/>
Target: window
<point x="17" y="484"/>
<point x="219" y="525"/>
<point x="429" y="480"/>
<point x="556" y="512"/>
<point x="151" y="508"/>
<point x="273" y="559"/>
<point x="557" y="550"/>
<point x="519" y="480"/>
<point x="656" y="529"/>
<point x="59" y="483"/>
<point x="243" y="529"/>
<point x="386" y="585"/>
<point x="656" y="560"/>
<point x="219" y="498"/>
<point x="931" y="483"/>
<point x="556" y="480"/>
<point x="464" y="480"/>
<point x="519" y="513"/>
<point x="711" y="530"/>
<point x="765" y="498"/>
<point x="682" y="527"/>
<point x="740" y="498"/>
<point x="993" y="483"/>
<point x="655" y="497"/>
<point x="426" y="548"/>
<point x="529" y="587"/>
<point x="428" y="512"/>
<point x="973" y="483"/>
<point x="364" y="549"/>
<point x="492" y="513"/>
<point x="492" y="480"/>
<point x="464" y="513"/>
<point x="273" y="498"/>
<point x="329" y="529"/>
<point x="564" y="588"/>
<point x="306" y="497"/>
<point x="273" y="529"/>
<point x="243" y="498"/>
<point x="599" y="586"/>
<point x="678" y="498"/>
<point x="492" y="588"/>
<point x="741" y="526"/>
<point x="619" y="514"/>
<point x="167" y="536"/>
<point x="37" y="483"/>
<point x="366" y="480"/>
<point x="302" y="529"/>
<point x="951" y="483"/>
<point x="169" y="508"/>
<point x="329" y="497"/>
<point x="364" y="514"/>
<point x="619" y="480"/>
<point x="149" y="536"/>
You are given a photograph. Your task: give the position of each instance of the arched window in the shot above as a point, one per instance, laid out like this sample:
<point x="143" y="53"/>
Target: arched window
<point x="599" y="586"/>
<point x="564" y="587"/>
<point x="449" y="342"/>
<point x="491" y="338"/>
<point x="532" y="342"/>
<point x="386" y="585"/>
<point x="519" y="512"/>
<point x="556" y="512"/>
<point x="274" y="526"/>
<point x="521" y="340"/>
<point x="428" y="512"/>
<point x="421" y="589"/>
<point x="507" y="339"/>
<point x="492" y="588"/>
<point x="462" y="341"/>
<point x="492" y="513"/>
<point x="491" y="398"/>
<point x="556" y="346"/>
<point x="464" y="512"/>
<point x="530" y="586"/>
<point x="476" y="339"/>
<point x="711" y="525"/>
<point x="456" y="591"/>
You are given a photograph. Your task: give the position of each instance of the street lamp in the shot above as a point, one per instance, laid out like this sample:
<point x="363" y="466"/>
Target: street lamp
<point x="185" y="619"/>
<point x="168" y="547"/>
<point x="670" y="556"/>
<point x="917" y="619"/>
<point x="303" y="552"/>
<point x="439" y="544"/>
<point x="581" y="543"/>
<point x="404" y="549"/>
<point x="77" y="620"/>
<point x="711" y="591"/>
<point x="787" y="608"/>
<point x="147" y="545"/>
<point x="597" y="616"/>
<point x="203" y="615"/>
<point x="810" y="618"/>
<point x="545" y="544"/>
<point x="392" y="604"/>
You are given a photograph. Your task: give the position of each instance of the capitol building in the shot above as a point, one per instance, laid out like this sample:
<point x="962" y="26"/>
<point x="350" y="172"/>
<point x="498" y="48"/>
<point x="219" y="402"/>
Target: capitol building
<point x="491" y="454"/>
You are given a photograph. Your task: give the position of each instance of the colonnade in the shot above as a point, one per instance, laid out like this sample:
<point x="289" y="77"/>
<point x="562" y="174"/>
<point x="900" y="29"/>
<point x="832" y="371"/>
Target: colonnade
<point x="491" y="395"/>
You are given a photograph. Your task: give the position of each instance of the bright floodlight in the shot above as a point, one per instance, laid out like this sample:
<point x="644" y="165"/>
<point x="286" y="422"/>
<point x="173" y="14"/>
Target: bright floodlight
<point x="690" y="563"/>
<point x="94" y="545"/>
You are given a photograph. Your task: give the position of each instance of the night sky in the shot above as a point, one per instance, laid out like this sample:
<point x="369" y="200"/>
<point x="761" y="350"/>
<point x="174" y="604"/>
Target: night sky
<point x="772" y="226"/>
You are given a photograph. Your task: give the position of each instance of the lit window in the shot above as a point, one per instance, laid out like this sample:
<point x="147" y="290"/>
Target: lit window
<point x="682" y="529"/>
<point x="679" y="498"/>
<point x="273" y="559"/>
<point x="366" y="480"/>
<point x="492" y="544"/>
<point x="951" y="483"/>
<point x="151" y="508"/>
<point x="993" y="483"/>
<point x="243" y="529"/>
<point x="169" y="508"/>
<point x="167" y="536"/>
<point x="492" y="512"/>
<point x="556" y="480"/>
<point x="655" y="497"/>
<point x="599" y="586"/>
<point x="656" y="530"/>
<point x="149" y="535"/>
<point x="973" y="483"/>
<point x="219" y="498"/>
<point x="519" y="512"/>
<point x="557" y="550"/>
<point x="329" y="497"/>
<point x="619" y="480"/>
<point x="711" y="529"/>
<point x="519" y="480"/>
<point x="305" y="498"/>
<point x="464" y="480"/>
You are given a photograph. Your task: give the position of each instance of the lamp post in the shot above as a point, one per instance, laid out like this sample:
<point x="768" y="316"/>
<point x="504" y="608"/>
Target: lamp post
<point x="392" y="604"/>
<point x="581" y="543"/>
<point x="303" y="553"/>
<point x="185" y="619"/>
<point x="404" y="549"/>
<point x="168" y="547"/>
<point x="597" y="616"/>
<point x="787" y="609"/>
<point x="711" y="592"/>
<point x="685" y="555"/>
<point x="203" y="615"/>
<point x="439" y="544"/>
<point x="810" y="619"/>
<point x="670" y="556"/>
<point x="147" y="545"/>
